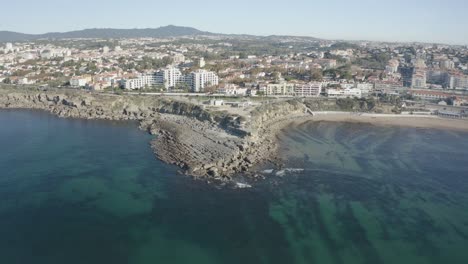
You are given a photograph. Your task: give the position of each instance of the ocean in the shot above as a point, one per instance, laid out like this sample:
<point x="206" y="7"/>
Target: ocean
<point x="83" y="191"/>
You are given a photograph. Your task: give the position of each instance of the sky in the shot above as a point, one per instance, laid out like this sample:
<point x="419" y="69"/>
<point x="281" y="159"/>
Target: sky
<point x="440" y="21"/>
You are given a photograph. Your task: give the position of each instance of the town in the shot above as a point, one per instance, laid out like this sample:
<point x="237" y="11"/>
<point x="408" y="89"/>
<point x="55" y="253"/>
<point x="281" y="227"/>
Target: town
<point x="243" y="66"/>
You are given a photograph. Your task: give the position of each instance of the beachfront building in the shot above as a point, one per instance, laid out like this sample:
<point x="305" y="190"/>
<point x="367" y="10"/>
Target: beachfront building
<point x="344" y="93"/>
<point x="308" y="89"/>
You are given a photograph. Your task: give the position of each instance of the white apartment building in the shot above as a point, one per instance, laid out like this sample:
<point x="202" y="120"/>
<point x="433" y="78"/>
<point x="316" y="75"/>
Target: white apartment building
<point x="366" y="88"/>
<point x="142" y="81"/>
<point x="200" y="79"/>
<point x="170" y="77"/>
<point x="79" y="81"/>
<point x="178" y="58"/>
<point x="308" y="90"/>
<point x="458" y="82"/>
<point x="344" y="93"/>
<point x="201" y="62"/>
<point x="283" y="88"/>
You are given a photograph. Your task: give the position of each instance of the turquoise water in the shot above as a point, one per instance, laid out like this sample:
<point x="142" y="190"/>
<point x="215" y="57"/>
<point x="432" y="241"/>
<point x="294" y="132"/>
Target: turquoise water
<point x="77" y="191"/>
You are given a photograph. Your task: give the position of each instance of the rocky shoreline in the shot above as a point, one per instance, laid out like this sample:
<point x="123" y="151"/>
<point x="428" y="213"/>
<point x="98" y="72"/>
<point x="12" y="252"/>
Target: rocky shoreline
<point x="203" y="143"/>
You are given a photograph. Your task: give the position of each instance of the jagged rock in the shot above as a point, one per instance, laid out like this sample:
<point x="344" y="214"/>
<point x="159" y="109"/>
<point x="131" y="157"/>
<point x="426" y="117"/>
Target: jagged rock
<point x="203" y="143"/>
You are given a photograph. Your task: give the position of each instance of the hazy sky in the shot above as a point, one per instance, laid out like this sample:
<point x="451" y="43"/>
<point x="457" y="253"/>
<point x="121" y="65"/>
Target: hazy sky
<point x="390" y="20"/>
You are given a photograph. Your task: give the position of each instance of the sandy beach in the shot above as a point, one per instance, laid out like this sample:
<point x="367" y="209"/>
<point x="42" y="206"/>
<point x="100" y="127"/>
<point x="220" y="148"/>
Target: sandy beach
<point x="417" y="121"/>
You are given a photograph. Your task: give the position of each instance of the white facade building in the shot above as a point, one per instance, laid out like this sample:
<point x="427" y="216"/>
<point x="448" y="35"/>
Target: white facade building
<point x="170" y="77"/>
<point x="308" y="90"/>
<point x="142" y="81"/>
<point x="8" y="47"/>
<point x="78" y="82"/>
<point x="200" y="79"/>
<point x="344" y="93"/>
<point x="178" y="58"/>
<point x="283" y="88"/>
<point x="366" y="88"/>
<point x="419" y="80"/>
<point x="458" y="82"/>
<point x="201" y="62"/>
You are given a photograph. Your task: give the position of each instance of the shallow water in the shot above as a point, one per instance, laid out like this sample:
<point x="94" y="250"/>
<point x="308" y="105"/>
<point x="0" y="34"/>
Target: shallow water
<point x="77" y="191"/>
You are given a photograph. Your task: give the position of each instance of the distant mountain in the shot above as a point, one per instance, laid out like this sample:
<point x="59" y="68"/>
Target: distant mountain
<point x="161" y="32"/>
<point x="14" y="36"/>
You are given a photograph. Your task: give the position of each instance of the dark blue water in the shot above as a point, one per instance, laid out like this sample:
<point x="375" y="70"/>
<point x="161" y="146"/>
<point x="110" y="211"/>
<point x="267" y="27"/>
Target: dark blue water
<point x="77" y="191"/>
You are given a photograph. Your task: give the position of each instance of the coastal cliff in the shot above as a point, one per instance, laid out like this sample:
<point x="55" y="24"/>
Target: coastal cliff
<point x="202" y="142"/>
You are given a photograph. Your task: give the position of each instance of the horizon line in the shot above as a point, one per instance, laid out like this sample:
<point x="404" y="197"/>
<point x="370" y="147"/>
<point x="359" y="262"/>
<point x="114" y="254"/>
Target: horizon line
<point x="241" y="34"/>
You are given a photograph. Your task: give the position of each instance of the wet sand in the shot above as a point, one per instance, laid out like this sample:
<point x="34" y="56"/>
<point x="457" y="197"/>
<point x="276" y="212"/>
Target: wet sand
<point x="417" y="121"/>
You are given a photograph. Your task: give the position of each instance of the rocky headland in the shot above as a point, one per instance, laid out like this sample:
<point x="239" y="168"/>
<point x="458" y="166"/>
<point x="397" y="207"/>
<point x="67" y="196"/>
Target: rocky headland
<point x="203" y="142"/>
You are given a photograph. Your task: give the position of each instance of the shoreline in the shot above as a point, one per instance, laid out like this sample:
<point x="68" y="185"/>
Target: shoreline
<point x="413" y="121"/>
<point x="208" y="144"/>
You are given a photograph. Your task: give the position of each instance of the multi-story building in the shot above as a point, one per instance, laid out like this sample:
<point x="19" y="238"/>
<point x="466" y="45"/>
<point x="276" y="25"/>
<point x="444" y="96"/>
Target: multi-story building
<point x="201" y="62"/>
<point x="308" y="90"/>
<point x="458" y="81"/>
<point x="80" y="81"/>
<point x="170" y="77"/>
<point x="344" y="93"/>
<point x="201" y="79"/>
<point x="178" y="58"/>
<point x="8" y="47"/>
<point x="438" y="77"/>
<point x="419" y="80"/>
<point x="142" y="81"/>
<point x="366" y="88"/>
<point x="282" y="88"/>
<point x="392" y="66"/>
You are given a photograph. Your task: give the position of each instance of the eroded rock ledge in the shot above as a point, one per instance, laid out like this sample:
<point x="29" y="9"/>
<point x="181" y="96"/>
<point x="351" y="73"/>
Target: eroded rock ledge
<point x="203" y="143"/>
